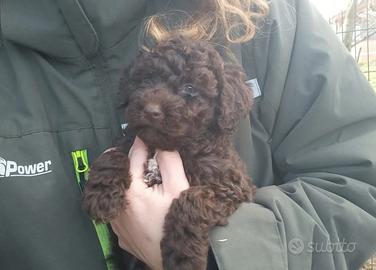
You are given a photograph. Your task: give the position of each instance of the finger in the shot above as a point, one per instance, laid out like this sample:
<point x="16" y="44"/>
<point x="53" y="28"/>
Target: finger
<point x="137" y="157"/>
<point x="172" y="172"/>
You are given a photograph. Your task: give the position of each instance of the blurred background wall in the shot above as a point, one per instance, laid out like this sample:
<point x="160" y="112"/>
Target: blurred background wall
<point x="354" y="22"/>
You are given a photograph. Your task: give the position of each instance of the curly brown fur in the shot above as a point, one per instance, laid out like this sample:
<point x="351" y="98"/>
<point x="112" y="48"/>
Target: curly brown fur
<point x="181" y="96"/>
<point x="104" y="193"/>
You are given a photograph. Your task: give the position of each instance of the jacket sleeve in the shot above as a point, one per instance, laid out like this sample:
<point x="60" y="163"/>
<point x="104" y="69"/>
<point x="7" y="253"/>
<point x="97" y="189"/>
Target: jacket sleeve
<point x="321" y="211"/>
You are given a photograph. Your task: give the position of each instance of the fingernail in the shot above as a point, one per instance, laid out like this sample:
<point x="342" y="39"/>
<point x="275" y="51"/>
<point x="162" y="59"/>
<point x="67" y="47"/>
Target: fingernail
<point x="109" y="150"/>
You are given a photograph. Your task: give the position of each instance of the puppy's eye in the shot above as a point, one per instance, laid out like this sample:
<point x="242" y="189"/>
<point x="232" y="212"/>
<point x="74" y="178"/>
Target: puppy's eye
<point x="189" y="90"/>
<point x="147" y="82"/>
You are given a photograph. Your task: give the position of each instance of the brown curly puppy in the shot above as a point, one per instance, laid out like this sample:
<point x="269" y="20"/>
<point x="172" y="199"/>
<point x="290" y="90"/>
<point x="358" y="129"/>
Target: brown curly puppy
<point x="181" y="96"/>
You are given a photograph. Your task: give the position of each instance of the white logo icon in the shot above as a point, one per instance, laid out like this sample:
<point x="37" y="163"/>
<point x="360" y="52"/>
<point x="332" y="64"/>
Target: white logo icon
<point x="296" y="246"/>
<point x="2" y="166"/>
<point x="9" y="168"/>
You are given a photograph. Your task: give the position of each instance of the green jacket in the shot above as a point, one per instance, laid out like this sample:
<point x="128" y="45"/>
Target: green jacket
<point x="311" y="149"/>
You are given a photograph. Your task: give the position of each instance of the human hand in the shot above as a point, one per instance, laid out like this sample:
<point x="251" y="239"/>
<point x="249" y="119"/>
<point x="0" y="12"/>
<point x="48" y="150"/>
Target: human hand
<point x="140" y="226"/>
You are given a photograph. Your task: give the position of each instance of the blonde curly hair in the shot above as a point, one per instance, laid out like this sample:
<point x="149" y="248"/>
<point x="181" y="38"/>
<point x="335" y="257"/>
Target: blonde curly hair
<point x="235" y="20"/>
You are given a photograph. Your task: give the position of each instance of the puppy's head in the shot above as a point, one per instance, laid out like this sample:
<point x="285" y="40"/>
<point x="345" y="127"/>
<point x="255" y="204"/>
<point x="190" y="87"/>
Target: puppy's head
<point x="181" y="90"/>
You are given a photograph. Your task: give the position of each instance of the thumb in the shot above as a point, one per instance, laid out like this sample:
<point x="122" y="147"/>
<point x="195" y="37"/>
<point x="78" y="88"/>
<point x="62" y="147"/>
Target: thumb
<point x="137" y="158"/>
<point x="172" y="172"/>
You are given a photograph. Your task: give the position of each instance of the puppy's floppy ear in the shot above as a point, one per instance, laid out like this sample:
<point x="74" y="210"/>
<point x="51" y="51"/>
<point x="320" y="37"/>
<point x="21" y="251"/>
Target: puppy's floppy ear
<point x="235" y="98"/>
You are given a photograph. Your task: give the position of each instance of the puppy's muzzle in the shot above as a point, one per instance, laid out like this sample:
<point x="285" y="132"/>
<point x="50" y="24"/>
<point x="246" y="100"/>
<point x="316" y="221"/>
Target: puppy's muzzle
<point x="153" y="111"/>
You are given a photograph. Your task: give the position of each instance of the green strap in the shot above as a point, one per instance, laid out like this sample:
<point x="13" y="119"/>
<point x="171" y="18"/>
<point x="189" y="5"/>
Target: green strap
<point x="81" y="168"/>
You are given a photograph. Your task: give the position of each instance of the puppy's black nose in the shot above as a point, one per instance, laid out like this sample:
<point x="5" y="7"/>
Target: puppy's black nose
<point x="153" y="110"/>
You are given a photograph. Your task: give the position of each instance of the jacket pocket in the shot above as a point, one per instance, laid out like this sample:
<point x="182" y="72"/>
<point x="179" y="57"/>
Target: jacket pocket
<point x="42" y="223"/>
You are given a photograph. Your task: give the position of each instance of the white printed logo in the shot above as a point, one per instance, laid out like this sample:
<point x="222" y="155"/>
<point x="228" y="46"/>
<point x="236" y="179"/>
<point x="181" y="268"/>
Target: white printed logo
<point x="9" y="168"/>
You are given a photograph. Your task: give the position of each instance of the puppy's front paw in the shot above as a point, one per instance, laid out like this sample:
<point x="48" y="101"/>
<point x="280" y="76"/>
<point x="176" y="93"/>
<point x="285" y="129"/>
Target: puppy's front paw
<point x="104" y="192"/>
<point x="185" y="242"/>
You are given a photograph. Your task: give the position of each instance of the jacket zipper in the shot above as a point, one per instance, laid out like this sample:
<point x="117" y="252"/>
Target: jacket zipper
<point x="81" y="168"/>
